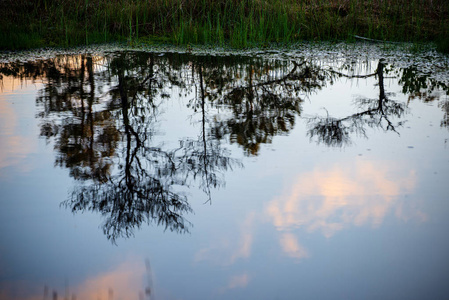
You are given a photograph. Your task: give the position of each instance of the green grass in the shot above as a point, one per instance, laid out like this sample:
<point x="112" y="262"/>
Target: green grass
<point x="443" y="44"/>
<point x="40" y="23"/>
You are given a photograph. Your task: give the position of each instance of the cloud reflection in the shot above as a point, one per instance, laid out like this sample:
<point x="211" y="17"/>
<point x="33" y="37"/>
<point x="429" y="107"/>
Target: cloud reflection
<point x="228" y="250"/>
<point x="239" y="281"/>
<point x="15" y="145"/>
<point x="325" y="200"/>
<point x="236" y="282"/>
<point x="125" y="281"/>
<point x="291" y="246"/>
<point x="331" y="199"/>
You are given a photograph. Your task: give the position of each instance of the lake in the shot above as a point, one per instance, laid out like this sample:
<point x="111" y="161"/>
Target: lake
<point x="312" y="173"/>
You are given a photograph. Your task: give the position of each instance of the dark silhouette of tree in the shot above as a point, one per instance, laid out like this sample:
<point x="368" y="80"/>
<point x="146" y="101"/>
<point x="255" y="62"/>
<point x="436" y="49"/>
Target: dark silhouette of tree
<point x="201" y="158"/>
<point x="445" y="107"/>
<point x="86" y="137"/>
<point x="101" y="114"/>
<point x="414" y="81"/>
<point x="423" y="86"/>
<point x="136" y="193"/>
<point x="102" y="120"/>
<point x="144" y="188"/>
<point x="373" y="113"/>
<point x="265" y="102"/>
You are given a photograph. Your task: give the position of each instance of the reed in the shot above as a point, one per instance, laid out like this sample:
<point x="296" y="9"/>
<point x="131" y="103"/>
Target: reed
<point x="29" y="24"/>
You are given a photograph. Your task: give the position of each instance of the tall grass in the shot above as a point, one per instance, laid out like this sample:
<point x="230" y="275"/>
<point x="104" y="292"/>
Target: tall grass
<point x="240" y="23"/>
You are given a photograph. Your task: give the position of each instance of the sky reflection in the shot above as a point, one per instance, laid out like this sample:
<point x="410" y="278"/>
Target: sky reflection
<point x="17" y="138"/>
<point x="130" y="279"/>
<point x="325" y="201"/>
<point x="228" y="250"/>
<point x="330" y="199"/>
<point x="276" y="196"/>
<point x="125" y="281"/>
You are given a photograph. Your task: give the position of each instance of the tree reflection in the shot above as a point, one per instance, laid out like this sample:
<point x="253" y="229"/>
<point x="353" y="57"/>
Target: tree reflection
<point x="268" y="103"/>
<point x="136" y="193"/>
<point x="423" y="86"/>
<point x="86" y="137"/>
<point x="373" y="113"/>
<point x="415" y="83"/>
<point x="102" y="114"/>
<point x="445" y="107"/>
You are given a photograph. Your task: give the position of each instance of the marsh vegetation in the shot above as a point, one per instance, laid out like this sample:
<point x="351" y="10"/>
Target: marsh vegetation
<point x="42" y="23"/>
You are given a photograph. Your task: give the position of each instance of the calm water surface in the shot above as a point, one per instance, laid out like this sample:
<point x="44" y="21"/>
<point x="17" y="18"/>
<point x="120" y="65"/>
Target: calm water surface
<point x="149" y="175"/>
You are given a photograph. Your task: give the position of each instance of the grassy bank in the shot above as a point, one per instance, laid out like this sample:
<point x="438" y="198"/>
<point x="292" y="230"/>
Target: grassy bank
<point x="39" y="23"/>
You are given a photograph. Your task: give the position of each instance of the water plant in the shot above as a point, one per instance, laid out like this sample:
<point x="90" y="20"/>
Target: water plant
<point x="28" y="24"/>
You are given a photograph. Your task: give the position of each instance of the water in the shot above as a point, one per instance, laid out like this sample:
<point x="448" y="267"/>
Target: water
<point x="308" y="174"/>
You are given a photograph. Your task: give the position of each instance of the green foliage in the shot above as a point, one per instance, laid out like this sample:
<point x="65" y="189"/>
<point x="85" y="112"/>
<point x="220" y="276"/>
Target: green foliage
<point x="442" y="41"/>
<point x="443" y="44"/>
<point x="217" y="22"/>
<point x="16" y="40"/>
